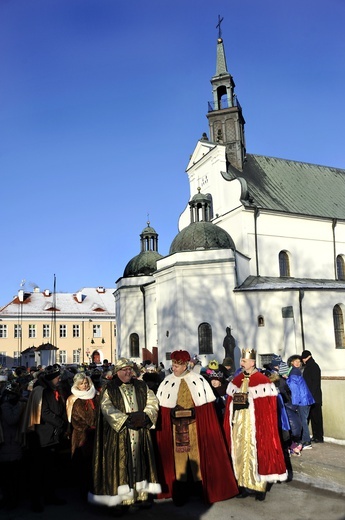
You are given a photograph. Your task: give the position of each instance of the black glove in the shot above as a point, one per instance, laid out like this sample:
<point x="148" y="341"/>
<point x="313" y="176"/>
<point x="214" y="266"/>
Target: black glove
<point x="137" y="420"/>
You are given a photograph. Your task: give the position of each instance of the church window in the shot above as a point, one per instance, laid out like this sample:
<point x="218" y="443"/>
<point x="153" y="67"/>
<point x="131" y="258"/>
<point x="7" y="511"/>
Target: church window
<point x="134" y="345"/>
<point x="284" y="264"/>
<point x="338" y="321"/>
<point x="261" y="321"/>
<point x="340" y="267"/>
<point x="205" y="338"/>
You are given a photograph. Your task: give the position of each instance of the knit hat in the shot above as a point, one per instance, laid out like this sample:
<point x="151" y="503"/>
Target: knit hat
<point x="51" y="372"/>
<point x="228" y="362"/>
<point x="276" y="360"/>
<point x="180" y="356"/>
<point x="305" y="354"/>
<point x="283" y="369"/>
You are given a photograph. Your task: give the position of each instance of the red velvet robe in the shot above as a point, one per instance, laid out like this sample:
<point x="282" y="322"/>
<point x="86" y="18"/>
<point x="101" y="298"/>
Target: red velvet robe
<point x="218" y="479"/>
<point x="271" y="466"/>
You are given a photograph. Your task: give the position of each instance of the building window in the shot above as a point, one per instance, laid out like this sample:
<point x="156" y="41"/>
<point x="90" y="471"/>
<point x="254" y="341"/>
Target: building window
<point x="17" y="331"/>
<point x="205" y="338"/>
<point x="32" y="331"/>
<point x="261" y="321"/>
<point x="284" y="264"/>
<point x="97" y="332"/>
<point x="338" y="321"/>
<point x="76" y="356"/>
<point x="63" y="331"/>
<point x="16" y="358"/>
<point x="62" y="357"/>
<point x="340" y="267"/>
<point x="114" y="330"/>
<point x="3" y="359"/>
<point x="76" y="331"/>
<point x="3" y="331"/>
<point x="134" y="345"/>
<point x="46" y="331"/>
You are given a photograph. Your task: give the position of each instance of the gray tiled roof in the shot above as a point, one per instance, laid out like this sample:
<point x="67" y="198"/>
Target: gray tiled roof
<point x="295" y="187"/>
<point x="265" y="283"/>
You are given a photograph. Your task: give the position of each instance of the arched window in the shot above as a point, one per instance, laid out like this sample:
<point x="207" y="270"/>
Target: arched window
<point x="338" y="320"/>
<point x="134" y="345"/>
<point x="284" y="264"/>
<point x="205" y="338"/>
<point x="340" y="267"/>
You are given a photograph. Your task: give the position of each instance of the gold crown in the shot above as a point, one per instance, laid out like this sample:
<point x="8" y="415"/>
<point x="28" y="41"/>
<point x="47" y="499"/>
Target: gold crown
<point x="248" y="353"/>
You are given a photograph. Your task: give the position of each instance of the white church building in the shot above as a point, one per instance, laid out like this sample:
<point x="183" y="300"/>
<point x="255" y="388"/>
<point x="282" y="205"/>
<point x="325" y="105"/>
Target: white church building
<point x="260" y="251"/>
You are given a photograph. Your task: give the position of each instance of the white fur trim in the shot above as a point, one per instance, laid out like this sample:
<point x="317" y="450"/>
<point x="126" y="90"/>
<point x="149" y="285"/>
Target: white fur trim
<point x="200" y="389"/>
<point x="124" y="494"/>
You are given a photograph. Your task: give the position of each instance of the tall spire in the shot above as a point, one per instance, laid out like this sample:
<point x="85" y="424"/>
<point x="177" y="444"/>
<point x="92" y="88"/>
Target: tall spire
<point x="225" y="117"/>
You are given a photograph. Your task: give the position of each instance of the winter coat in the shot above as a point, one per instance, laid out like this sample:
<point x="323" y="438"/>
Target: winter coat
<point x="312" y="376"/>
<point x="10" y="418"/>
<point x="300" y="393"/>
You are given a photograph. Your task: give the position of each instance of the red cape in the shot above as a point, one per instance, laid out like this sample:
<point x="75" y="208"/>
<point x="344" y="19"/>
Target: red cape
<point x="270" y="457"/>
<point x="218" y="479"/>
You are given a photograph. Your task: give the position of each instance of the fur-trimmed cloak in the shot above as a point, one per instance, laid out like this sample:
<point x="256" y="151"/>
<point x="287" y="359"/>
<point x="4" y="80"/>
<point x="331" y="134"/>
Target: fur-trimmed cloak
<point x="262" y="397"/>
<point x="218" y="479"/>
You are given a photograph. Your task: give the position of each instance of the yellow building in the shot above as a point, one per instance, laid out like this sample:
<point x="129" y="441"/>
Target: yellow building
<point x="44" y="327"/>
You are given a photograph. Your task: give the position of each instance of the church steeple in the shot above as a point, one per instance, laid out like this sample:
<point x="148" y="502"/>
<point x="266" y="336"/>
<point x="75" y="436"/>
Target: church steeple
<point x="225" y="117"/>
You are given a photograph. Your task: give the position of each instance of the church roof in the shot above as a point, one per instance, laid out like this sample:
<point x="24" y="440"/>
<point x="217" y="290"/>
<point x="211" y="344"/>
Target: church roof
<point x="293" y="187"/>
<point x="200" y="236"/>
<point x="269" y="283"/>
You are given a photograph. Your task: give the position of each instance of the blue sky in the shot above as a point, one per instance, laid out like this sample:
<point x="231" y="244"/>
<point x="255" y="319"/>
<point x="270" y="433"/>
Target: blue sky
<point x="103" y="101"/>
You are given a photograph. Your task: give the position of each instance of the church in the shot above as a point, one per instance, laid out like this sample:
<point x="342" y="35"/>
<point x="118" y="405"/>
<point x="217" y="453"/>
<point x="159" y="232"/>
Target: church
<point x="259" y="260"/>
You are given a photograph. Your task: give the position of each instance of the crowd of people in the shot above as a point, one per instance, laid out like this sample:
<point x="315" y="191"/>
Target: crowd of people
<point x="133" y="433"/>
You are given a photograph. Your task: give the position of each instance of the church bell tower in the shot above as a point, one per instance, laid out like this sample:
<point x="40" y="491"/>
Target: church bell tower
<point x="225" y="118"/>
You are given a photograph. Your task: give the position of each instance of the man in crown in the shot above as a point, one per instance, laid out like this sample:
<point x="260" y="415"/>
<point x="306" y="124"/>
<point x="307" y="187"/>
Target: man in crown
<point x="189" y="438"/>
<point x="251" y="428"/>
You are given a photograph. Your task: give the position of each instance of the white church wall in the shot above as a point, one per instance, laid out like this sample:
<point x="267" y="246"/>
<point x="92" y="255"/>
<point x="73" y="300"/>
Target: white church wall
<point x="196" y="288"/>
<point x="283" y="335"/>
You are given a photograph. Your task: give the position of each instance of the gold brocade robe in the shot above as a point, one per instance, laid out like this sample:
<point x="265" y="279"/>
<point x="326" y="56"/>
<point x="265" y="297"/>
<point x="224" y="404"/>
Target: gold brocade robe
<point x="244" y="447"/>
<point x="123" y="463"/>
<point x="184" y="399"/>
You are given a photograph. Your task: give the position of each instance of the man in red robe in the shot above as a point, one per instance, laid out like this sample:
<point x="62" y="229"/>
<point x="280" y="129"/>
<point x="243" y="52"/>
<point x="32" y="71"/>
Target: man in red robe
<point x="189" y="438"/>
<point x="251" y="427"/>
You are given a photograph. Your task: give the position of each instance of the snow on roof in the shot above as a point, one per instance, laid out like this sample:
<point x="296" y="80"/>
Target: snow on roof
<point x="88" y="300"/>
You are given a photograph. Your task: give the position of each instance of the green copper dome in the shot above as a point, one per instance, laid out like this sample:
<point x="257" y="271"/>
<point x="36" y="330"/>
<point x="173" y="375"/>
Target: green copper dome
<point x="201" y="236"/>
<point x="145" y="263"/>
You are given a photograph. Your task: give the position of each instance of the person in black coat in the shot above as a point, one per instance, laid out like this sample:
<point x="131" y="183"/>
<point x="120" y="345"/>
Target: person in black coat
<point x="312" y="376"/>
<point x="46" y="426"/>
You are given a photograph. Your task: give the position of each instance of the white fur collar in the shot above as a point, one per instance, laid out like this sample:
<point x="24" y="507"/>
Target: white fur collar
<point x="199" y="388"/>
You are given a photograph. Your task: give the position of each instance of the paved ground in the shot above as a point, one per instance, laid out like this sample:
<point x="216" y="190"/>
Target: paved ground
<point x="317" y="492"/>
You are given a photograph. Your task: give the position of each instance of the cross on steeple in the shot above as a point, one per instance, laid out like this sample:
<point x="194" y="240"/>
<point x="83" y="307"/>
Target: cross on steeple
<point x="219" y="27"/>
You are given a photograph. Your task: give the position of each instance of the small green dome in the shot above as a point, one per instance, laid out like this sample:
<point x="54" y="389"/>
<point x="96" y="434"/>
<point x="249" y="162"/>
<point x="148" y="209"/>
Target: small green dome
<point x="145" y="263"/>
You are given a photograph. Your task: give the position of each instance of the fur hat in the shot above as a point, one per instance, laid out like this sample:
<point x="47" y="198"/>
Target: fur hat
<point x="51" y="372"/>
<point x="180" y="356"/>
